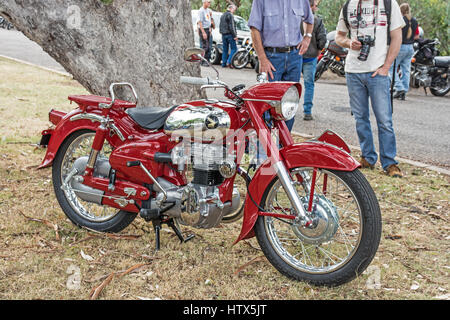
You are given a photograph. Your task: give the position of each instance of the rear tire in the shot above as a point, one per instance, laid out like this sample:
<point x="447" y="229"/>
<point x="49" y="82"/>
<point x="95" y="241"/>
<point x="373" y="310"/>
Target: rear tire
<point x="118" y="219"/>
<point x="321" y="68"/>
<point x="323" y="258"/>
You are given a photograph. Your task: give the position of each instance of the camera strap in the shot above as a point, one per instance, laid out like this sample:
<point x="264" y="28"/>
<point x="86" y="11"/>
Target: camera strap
<point x="360" y="18"/>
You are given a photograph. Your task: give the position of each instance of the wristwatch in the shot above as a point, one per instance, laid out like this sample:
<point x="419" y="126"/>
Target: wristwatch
<point x="308" y="35"/>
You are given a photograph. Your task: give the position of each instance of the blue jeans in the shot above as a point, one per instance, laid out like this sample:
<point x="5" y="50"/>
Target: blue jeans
<point x="309" y="71"/>
<point x="228" y="41"/>
<point x="288" y="68"/>
<point x="361" y="88"/>
<point x="404" y="62"/>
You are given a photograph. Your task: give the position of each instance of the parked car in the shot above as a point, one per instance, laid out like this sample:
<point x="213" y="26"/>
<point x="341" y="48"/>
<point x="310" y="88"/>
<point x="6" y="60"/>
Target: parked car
<point x="243" y="31"/>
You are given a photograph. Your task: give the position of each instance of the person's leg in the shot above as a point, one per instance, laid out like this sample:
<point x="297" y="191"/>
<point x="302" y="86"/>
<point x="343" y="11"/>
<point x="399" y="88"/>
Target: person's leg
<point x="309" y="70"/>
<point x="226" y="44"/>
<point x="359" y="103"/>
<point x="233" y="49"/>
<point x="379" y="91"/>
<point x="399" y="83"/>
<point x="406" y="67"/>
<point x="292" y="72"/>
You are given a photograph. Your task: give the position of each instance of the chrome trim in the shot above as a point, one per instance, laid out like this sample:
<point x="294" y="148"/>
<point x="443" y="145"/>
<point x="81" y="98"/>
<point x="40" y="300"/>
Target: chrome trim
<point x="155" y="182"/>
<point x="88" y="116"/>
<point x="104" y="121"/>
<point x="292" y="194"/>
<point x="116" y="84"/>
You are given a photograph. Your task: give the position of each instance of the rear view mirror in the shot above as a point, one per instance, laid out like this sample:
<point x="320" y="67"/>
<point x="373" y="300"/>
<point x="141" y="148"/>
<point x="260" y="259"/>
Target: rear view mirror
<point x="194" y="54"/>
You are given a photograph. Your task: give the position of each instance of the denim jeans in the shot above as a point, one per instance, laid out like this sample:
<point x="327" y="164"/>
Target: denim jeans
<point x="309" y="71"/>
<point x="362" y="88"/>
<point x="288" y="67"/>
<point x="228" y="41"/>
<point x="404" y="62"/>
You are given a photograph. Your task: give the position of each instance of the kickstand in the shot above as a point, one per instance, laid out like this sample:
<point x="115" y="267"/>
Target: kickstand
<point x="157" y="227"/>
<point x="178" y="232"/>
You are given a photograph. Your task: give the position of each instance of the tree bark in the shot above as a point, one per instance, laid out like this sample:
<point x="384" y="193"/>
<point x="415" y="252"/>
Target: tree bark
<point x="136" y="41"/>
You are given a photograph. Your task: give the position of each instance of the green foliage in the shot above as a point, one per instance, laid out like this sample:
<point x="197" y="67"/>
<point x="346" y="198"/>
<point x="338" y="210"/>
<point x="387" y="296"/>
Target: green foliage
<point x="107" y="1"/>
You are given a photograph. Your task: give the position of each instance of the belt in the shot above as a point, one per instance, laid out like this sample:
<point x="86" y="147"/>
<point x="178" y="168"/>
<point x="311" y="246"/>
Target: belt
<point x="280" y="49"/>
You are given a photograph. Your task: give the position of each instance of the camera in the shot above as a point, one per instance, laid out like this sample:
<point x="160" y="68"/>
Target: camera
<point x="366" y="42"/>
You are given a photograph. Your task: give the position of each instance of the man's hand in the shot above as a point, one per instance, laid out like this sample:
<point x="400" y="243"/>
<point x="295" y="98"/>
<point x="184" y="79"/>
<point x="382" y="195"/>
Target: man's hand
<point x="382" y="71"/>
<point x="354" y="45"/>
<point x="204" y="35"/>
<point x="303" y="46"/>
<point x="266" y="66"/>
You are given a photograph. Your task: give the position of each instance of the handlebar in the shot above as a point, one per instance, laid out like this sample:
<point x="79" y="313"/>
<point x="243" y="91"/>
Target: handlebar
<point x="196" y="81"/>
<point x="116" y="84"/>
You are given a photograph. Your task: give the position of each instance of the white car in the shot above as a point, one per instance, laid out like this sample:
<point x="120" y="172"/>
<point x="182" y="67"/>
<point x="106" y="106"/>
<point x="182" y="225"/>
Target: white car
<point x="243" y="31"/>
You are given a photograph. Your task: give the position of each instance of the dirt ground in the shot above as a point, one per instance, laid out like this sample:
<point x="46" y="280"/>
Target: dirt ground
<point x="44" y="256"/>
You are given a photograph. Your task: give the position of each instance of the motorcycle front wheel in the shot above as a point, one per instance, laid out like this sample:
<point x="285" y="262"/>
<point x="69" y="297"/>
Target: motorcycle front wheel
<point x="240" y="59"/>
<point x="344" y="235"/>
<point x="322" y="66"/>
<point x="83" y="213"/>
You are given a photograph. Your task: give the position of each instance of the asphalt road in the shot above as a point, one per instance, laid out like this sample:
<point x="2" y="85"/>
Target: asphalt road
<point x="422" y="122"/>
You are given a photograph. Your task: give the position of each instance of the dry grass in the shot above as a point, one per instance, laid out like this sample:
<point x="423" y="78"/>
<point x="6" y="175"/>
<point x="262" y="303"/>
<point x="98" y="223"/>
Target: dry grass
<point x="44" y="256"/>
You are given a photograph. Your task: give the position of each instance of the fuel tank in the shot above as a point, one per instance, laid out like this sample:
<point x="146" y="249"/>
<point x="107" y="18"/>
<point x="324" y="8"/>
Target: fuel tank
<point x="204" y="120"/>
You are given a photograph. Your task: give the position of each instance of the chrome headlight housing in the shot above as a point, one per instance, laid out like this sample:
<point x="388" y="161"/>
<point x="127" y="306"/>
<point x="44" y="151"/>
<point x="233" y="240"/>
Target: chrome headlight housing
<point x="289" y="104"/>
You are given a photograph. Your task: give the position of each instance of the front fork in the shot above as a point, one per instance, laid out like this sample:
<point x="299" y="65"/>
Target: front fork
<point x="273" y="153"/>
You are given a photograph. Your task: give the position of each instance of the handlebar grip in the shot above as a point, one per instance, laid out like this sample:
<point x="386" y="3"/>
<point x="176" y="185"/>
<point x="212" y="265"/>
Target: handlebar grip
<point x="194" y="80"/>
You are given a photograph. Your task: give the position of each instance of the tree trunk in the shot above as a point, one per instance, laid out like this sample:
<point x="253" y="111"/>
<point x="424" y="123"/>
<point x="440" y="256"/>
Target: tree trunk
<point x="136" y="41"/>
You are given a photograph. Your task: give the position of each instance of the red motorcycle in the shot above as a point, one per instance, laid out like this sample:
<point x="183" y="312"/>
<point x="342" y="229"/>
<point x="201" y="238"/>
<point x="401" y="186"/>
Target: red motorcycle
<point x="314" y="214"/>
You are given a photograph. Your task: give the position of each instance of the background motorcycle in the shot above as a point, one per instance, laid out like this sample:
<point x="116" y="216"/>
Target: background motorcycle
<point x="315" y="216"/>
<point x="332" y="57"/>
<point x="428" y="70"/>
<point x="244" y="55"/>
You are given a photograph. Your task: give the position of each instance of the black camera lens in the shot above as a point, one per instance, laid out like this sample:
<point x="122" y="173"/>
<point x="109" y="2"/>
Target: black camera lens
<point x="364" y="53"/>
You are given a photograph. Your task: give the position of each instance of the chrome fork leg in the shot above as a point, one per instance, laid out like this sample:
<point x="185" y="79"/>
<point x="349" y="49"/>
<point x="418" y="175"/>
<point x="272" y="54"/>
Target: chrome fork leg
<point x="292" y="194"/>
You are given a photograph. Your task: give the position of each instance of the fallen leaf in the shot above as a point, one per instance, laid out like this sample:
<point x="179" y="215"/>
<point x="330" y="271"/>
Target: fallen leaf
<point x="393" y="237"/>
<point x="86" y="256"/>
<point x="260" y="258"/>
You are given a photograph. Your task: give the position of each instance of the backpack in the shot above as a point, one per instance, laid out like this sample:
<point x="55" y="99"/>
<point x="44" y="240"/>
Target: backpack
<point x="387" y="8"/>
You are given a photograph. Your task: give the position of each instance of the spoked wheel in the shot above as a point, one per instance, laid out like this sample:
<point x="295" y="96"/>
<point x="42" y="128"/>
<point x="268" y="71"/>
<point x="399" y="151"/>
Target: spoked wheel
<point x="90" y="214"/>
<point x="240" y="59"/>
<point x="344" y="235"/>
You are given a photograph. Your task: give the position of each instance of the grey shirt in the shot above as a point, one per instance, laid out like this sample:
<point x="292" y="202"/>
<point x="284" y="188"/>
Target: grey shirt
<point x="205" y="17"/>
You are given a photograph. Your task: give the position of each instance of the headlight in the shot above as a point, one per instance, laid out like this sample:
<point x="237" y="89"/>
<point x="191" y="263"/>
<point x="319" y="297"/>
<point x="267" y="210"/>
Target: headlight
<point x="288" y="106"/>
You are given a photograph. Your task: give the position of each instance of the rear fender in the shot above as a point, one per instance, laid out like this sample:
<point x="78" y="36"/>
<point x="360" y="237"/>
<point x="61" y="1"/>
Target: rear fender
<point x="64" y="128"/>
<point x="317" y="154"/>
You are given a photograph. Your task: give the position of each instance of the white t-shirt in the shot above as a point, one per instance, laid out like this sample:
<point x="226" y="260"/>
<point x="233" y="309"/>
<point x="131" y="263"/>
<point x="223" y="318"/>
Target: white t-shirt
<point x="378" y="53"/>
<point x="205" y="17"/>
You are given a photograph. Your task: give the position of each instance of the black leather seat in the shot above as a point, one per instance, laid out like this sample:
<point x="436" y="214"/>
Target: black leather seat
<point x="151" y="118"/>
<point x="442" y="62"/>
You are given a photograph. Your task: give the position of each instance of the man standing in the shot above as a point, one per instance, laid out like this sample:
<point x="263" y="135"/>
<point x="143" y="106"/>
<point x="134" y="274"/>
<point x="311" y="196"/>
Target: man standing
<point x="229" y="35"/>
<point x="318" y="42"/>
<point x="205" y="24"/>
<point x="276" y="36"/>
<point x="367" y="71"/>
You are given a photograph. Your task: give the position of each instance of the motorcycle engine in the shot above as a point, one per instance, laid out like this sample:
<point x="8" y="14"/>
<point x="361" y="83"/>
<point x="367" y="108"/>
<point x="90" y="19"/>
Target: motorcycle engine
<point x="422" y="76"/>
<point x="198" y="203"/>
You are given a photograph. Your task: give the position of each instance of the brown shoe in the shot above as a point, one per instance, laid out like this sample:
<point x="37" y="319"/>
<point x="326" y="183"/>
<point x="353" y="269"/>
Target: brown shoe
<point x="365" y="164"/>
<point x="394" y="171"/>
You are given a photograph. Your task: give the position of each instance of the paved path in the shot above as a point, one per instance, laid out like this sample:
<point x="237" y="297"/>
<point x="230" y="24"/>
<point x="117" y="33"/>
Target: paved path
<point x="422" y="123"/>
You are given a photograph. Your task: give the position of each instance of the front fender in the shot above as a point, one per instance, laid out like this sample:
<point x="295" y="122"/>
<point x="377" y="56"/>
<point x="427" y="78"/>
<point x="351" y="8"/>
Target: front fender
<point x="63" y="129"/>
<point x="315" y="154"/>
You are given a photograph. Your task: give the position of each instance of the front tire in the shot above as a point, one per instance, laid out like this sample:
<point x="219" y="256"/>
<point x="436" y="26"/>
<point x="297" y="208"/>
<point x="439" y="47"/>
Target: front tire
<point x="82" y="213"/>
<point x="240" y="59"/>
<point x="322" y="66"/>
<point x="345" y="235"/>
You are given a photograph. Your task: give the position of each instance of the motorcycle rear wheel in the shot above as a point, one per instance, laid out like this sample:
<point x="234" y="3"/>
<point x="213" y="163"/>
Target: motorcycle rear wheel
<point x="82" y="213"/>
<point x="440" y="92"/>
<point x="345" y="234"/>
